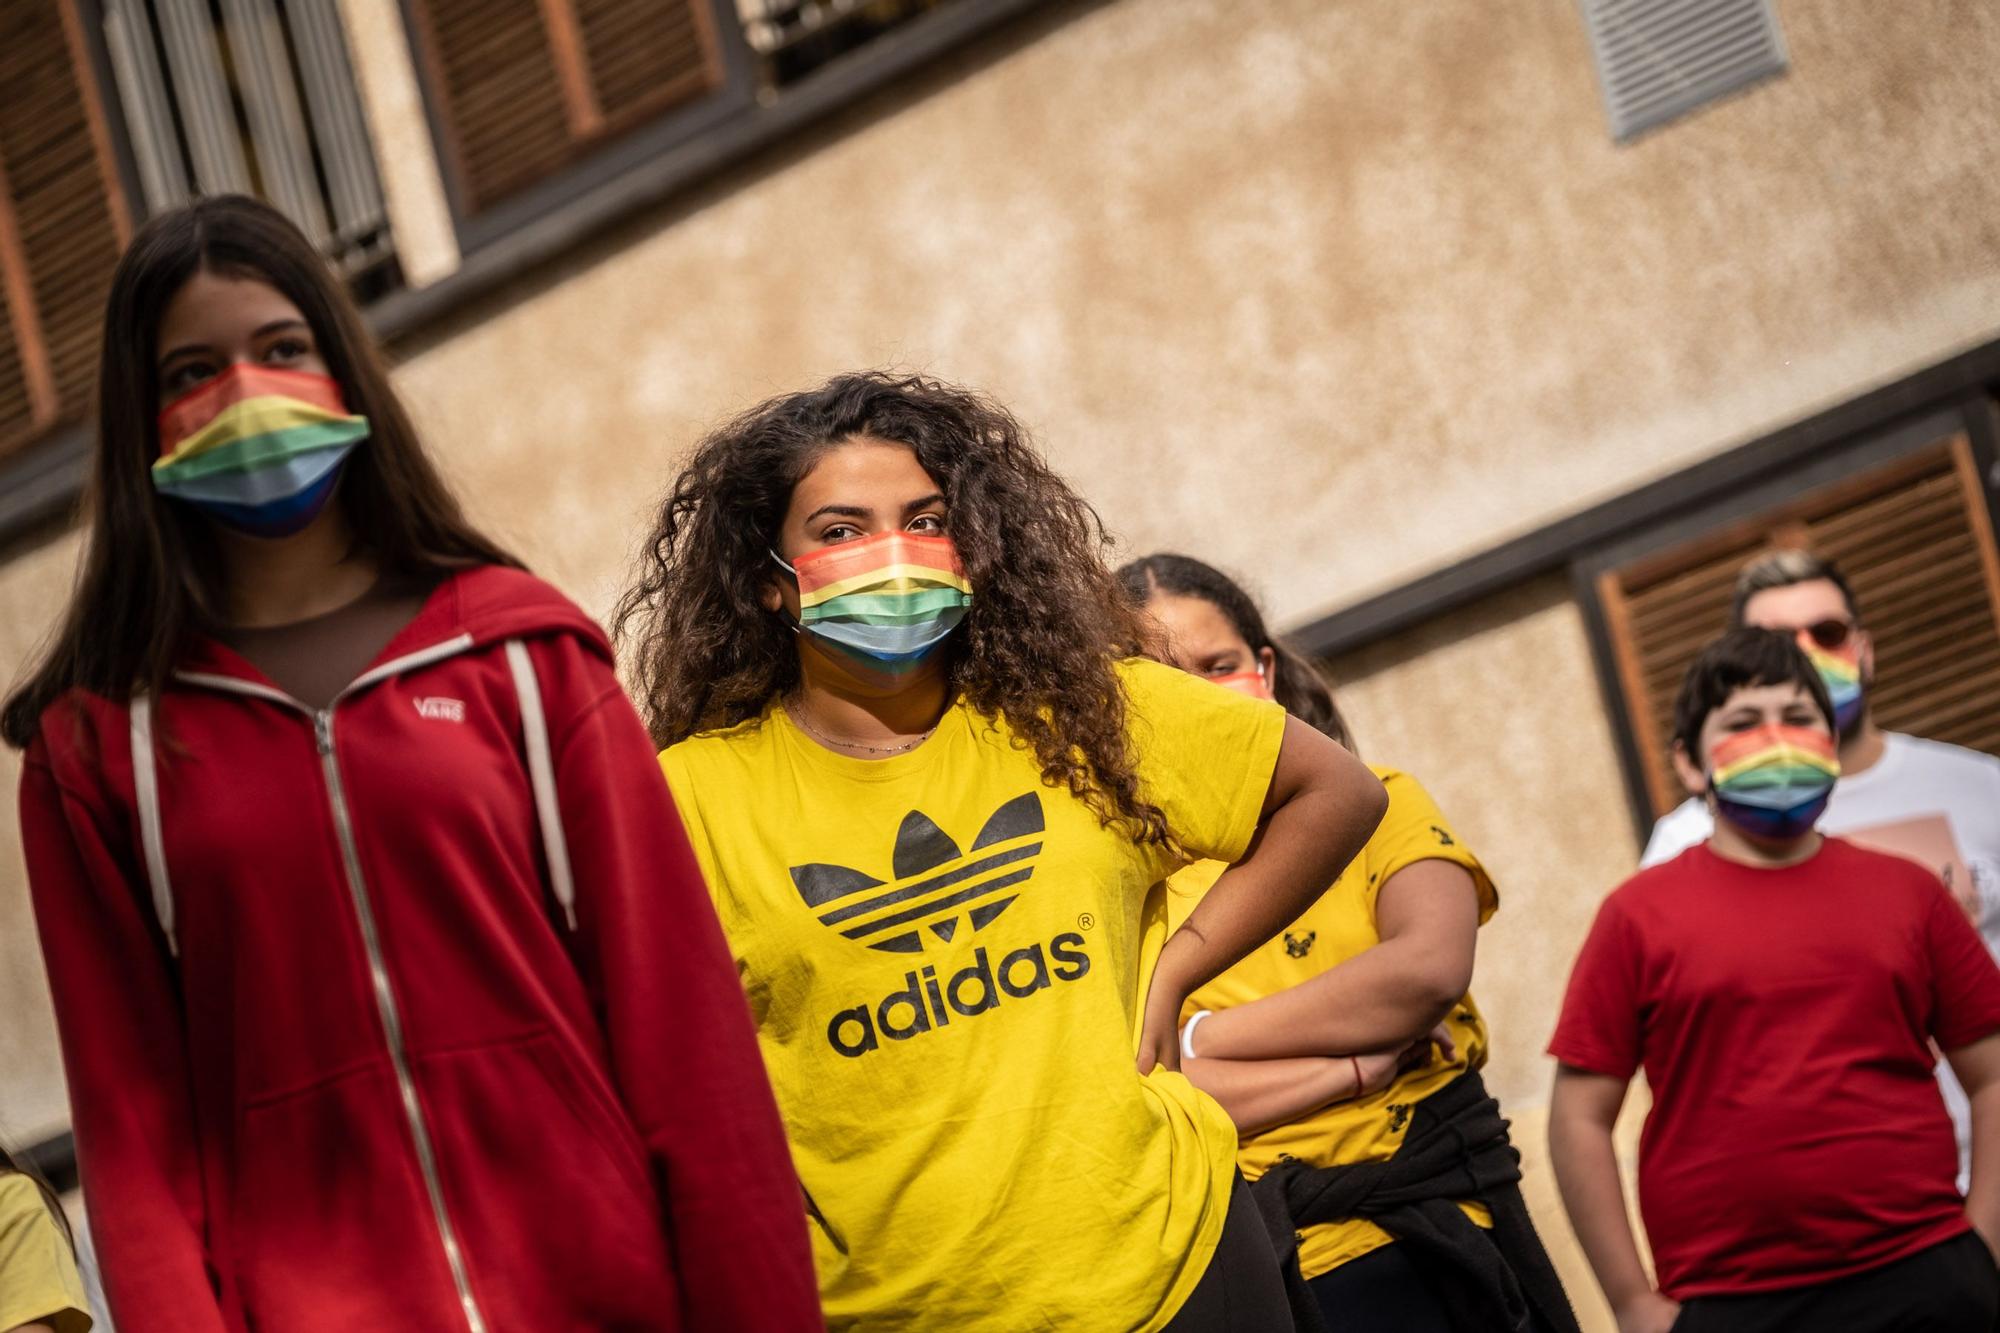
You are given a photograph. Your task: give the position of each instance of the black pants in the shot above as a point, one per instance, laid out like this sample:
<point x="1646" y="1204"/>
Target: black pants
<point x="1381" y="1292"/>
<point x="1242" y="1291"/>
<point x="1948" y="1288"/>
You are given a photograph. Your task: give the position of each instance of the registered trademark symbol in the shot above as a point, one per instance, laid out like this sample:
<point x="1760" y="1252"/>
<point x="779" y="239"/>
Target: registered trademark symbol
<point x="1086" y="921"/>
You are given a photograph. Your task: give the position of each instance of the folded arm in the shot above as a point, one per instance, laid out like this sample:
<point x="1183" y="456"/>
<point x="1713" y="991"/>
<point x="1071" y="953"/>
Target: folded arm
<point x="1427" y="916"/>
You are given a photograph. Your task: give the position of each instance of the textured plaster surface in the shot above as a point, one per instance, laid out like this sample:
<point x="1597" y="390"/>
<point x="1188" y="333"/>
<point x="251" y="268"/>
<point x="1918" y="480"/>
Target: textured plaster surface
<point x="33" y="586"/>
<point x="1336" y="292"/>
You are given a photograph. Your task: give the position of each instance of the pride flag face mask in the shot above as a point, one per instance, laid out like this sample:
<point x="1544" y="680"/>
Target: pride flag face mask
<point x="257" y="448"/>
<point x="1840" y="672"/>
<point x="1774" y="781"/>
<point x="1251" y="683"/>
<point x="887" y="601"/>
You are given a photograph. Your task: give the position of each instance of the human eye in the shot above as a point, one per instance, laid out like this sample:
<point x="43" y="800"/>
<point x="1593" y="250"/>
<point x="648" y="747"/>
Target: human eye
<point x="287" y="350"/>
<point x="931" y="525"/>
<point x="837" y="533"/>
<point x="1221" y="666"/>
<point x="185" y="376"/>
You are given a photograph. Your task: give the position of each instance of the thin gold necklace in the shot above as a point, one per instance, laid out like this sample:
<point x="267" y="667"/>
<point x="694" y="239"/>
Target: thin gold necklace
<point x="799" y="717"/>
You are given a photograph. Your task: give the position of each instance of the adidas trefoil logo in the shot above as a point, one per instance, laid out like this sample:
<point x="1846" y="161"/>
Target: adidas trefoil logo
<point x="935" y="885"/>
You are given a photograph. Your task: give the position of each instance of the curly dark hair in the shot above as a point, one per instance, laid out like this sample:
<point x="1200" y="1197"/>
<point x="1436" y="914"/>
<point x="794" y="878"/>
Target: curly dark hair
<point x="1037" y="648"/>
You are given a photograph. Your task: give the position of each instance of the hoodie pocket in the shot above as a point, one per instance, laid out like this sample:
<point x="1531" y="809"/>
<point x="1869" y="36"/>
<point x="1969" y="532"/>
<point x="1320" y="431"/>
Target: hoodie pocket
<point x="549" y="1190"/>
<point x="329" y="1225"/>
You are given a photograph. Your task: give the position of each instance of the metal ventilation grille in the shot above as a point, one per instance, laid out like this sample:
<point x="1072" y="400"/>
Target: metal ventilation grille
<point x="1658" y="59"/>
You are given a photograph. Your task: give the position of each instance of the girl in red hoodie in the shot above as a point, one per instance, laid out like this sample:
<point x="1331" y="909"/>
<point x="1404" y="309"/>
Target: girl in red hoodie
<point x="389" y="992"/>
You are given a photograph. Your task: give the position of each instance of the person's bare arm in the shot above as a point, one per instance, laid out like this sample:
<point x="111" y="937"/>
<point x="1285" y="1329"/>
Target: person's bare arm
<point x="1582" y="1112"/>
<point x="1321" y="807"/>
<point x="1427" y="915"/>
<point x="1261" y="1093"/>
<point x="1978" y="1069"/>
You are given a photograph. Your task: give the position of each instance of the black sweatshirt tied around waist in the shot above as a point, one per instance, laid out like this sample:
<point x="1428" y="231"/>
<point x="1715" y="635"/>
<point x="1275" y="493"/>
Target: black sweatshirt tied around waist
<point x="1457" y="1148"/>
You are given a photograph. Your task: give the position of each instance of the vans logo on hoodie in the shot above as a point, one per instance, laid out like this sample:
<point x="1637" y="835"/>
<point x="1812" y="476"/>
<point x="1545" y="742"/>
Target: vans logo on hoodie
<point x="935" y="885"/>
<point x="437" y="708"/>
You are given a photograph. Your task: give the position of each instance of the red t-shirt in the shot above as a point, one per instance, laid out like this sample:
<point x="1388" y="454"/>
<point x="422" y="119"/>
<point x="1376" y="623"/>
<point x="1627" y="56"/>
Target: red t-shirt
<point x="1782" y="1017"/>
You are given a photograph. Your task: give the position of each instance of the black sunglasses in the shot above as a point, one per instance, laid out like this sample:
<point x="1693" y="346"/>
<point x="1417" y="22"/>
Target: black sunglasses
<point x="1829" y="633"/>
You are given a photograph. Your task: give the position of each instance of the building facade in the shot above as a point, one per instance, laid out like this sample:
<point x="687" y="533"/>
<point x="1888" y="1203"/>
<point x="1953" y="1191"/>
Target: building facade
<point x="1364" y="302"/>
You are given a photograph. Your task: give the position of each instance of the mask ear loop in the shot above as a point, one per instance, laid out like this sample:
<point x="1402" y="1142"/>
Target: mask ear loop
<point x="791" y="622"/>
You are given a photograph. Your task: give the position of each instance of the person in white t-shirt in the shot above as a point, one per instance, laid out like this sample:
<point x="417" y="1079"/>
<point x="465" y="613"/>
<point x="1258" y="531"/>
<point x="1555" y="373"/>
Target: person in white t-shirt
<point x="1938" y="804"/>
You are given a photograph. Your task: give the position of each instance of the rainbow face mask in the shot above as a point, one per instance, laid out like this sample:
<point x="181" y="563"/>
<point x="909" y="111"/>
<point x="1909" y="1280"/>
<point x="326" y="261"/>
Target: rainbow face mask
<point x="257" y="448"/>
<point x="1841" y="674"/>
<point x="1774" y="781"/>
<point x="886" y="602"/>
<point x="1251" y="683"/>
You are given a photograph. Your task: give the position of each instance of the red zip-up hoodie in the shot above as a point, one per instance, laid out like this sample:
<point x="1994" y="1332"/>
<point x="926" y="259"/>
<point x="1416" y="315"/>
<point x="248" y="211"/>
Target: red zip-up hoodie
<point x="338" y="1058"/>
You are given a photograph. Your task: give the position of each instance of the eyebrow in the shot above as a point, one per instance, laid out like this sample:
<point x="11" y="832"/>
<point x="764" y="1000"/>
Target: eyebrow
<point x="862" y="511"/>
<point x="842" y="511"/>
<point x="261" y="331"/>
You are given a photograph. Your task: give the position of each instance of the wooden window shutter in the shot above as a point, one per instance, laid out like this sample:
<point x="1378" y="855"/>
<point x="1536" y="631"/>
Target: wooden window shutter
<point x="1915" y="540"/>
<point x="62" y="221"/>
<point x="524" y="87"/>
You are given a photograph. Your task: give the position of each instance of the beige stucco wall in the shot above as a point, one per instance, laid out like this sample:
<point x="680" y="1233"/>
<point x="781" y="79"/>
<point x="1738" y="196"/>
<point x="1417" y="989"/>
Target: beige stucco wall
<point x="33" y="584"/>
<point x="1495" y="711"/>
<point x="1337" y="291"/>
<point x="1331" y="293"/>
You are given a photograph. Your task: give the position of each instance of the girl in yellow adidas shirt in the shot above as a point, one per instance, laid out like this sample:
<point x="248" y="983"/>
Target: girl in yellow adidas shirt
<point x="1282" y="1039"/>
<point x="931" y="788"/>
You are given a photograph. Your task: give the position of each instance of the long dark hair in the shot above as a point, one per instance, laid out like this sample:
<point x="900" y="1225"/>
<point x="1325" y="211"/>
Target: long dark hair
<point x="1301" y="686"/>
<point x="152" y="571"/>
<point x="1047" y="622"/>
<point x="10" y="1164"/>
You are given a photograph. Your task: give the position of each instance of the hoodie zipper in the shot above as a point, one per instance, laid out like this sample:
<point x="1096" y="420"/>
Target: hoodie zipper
<point x="386" y="1006"/>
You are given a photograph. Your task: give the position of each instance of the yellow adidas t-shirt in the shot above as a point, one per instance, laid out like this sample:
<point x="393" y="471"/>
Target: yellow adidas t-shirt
<point x="944" y="960"/>
<point x="38" y="1278"/>
<point x="1339" y="925"/>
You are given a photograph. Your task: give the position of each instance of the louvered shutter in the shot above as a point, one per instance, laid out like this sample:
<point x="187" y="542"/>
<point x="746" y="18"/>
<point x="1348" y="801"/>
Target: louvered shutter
<point x="524" y="87"/>
<point x="64" y="222"/>
<point x="643" y="57"/>
<point x="1658" y="59"/>
<point x="1914" y="540"/>
<point x="17" y="409"/>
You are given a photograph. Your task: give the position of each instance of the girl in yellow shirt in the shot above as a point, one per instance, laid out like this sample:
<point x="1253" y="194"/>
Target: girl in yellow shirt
<point x="1305" y="1040"/>
<point x="932" y="790"/>
<point x="40" y="1291"/>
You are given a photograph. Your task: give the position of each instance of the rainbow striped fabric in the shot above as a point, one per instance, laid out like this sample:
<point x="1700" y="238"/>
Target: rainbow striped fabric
<point x="257" y="446"/>
<point x="1775" y="780"/>
<point x="888" y="599"/>
<point x="1841" y="674"/>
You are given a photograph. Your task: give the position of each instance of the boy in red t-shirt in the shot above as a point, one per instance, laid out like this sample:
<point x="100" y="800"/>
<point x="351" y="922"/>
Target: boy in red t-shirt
<point x="1782" y="991"/>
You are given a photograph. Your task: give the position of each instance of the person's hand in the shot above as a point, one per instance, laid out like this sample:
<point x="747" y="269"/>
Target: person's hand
<point x="1649" y="1313"/>
<point x="1378" y="1069"/>
<point x="1438" y="1038"/>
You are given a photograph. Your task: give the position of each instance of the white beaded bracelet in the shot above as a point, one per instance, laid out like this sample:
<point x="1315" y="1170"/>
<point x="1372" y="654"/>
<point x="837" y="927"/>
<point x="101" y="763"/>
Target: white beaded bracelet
<point x="1187" y="1034"/>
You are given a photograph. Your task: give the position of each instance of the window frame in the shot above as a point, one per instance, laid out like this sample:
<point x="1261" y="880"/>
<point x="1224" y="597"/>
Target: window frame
<point x="47" y="420"/>
<point x="623" y="142"/>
